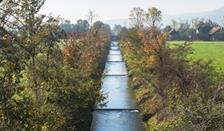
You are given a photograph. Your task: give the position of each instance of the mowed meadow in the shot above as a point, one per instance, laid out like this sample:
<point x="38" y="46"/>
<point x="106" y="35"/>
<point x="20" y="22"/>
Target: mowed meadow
<point x="207" y="51"/>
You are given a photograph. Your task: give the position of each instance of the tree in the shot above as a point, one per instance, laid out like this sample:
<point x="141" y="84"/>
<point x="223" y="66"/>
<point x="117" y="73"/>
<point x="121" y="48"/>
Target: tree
<point x="204" y="26"/>
<point x="67" y="26"/>
<point x="167" y="29"/>
<point x="90" y="17"/>
<point x="22" y="82"/>
<point x="137" y="17"/>
<point x="153" y="17"/>
<point x="30" y="29"/>
<point x="174" y="25"/>
<point x="45" y="83"/>
<point x="82" y="26"/>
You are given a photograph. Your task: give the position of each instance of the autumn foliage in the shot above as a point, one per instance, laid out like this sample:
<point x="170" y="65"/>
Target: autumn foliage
<point x="173" y="91"/>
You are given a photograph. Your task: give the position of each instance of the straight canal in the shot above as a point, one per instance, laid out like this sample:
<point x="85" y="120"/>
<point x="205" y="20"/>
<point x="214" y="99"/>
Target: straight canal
<point x="120" y="112"/>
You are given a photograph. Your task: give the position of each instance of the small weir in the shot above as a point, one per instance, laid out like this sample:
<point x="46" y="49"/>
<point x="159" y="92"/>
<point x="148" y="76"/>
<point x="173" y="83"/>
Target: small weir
<point x="120" y="112"/>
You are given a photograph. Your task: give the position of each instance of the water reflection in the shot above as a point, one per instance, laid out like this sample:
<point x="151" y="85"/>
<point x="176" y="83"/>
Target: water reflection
<point x="118" y="93"/>
<point x="115" y="68"/>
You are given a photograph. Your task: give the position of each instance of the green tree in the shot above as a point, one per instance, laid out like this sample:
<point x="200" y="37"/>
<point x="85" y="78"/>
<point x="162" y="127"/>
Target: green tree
<point x="82" y="26"/>
<point x="137" y="17"/>
<point x="153" y="17"/>
<point x="22" y="104"/>
<point x="67" y="26"/>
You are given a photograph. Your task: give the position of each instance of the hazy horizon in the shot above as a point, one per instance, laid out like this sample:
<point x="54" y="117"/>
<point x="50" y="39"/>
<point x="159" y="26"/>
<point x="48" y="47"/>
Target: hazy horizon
<point x="107" y="10"/>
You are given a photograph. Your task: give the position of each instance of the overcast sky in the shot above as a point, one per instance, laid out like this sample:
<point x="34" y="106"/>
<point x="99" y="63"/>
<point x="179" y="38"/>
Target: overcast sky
<point x="115" y="9"/>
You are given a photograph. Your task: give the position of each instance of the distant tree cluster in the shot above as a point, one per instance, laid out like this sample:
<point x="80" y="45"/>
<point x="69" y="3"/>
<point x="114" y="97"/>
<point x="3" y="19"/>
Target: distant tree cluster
<point x="141" y="19"/>
<point x="197" y="29"/>
<point x="82" y="26"/>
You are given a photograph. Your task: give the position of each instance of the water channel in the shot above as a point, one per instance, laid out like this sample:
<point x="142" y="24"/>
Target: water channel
<point x="120" y="112"/>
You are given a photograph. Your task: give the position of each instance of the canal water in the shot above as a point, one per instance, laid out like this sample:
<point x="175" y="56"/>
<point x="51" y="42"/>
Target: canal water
<point x="119" y="112"/>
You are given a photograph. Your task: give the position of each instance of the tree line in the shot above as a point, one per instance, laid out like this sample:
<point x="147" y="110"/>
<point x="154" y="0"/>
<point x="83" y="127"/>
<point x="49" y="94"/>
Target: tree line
<point x="173" y="91"/>
<point x="49" y="80"/>
<point x="196" y="29"/>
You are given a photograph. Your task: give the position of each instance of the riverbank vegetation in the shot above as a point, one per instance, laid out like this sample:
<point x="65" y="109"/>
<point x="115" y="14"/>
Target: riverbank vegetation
<point x="173" y="91"/>
<point x="49" y="79"/>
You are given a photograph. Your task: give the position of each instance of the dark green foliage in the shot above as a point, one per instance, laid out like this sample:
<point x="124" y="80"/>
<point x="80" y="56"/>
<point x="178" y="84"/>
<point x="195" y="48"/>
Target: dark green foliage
<point x="82" y="26"/>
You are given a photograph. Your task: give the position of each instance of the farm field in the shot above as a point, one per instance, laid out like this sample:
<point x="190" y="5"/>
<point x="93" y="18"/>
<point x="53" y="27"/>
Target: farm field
<point x="208" y="50"/>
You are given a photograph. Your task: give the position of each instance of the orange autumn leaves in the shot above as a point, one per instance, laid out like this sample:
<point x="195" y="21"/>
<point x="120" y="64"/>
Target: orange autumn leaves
<point x="71" y="53"/>
<point x="152" y="44"/>
<point x="84" y="53"/>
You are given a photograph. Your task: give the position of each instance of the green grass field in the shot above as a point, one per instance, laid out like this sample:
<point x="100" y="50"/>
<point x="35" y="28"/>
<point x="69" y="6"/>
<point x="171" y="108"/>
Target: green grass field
<point x="208" y="50"/>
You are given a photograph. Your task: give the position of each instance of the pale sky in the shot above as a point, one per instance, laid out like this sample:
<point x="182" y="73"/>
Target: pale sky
<point x="115" y="9"/>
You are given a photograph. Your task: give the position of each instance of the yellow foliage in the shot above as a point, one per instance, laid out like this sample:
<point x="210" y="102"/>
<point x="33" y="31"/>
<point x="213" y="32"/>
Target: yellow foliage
<point x="152" y="44"/>
<point x="152" y="59"/>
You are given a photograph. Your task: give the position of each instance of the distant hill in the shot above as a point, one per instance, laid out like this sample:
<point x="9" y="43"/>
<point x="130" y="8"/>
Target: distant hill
<point x="215" y="15"/>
